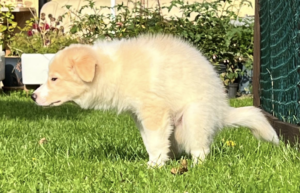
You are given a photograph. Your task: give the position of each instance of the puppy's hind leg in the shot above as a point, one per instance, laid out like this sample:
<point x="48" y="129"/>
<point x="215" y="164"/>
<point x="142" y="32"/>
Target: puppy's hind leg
<point x="199" y="127"/>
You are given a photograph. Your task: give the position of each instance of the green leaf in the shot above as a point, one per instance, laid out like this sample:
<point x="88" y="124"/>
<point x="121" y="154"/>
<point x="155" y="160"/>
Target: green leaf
<point x="74" y="29"/>
<point x="3" y="28"/>
<point x="68" y="6"/>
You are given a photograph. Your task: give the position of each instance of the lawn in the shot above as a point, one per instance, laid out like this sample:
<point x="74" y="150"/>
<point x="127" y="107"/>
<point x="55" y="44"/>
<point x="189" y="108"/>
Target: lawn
<point x="95" y="151"/>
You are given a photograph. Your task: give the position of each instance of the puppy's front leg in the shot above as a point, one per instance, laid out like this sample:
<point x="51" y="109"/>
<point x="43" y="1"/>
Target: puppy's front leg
<point x="155" y="127"/>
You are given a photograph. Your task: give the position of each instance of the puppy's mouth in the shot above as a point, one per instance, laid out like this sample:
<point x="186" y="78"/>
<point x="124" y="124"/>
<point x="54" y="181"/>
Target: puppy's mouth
<point x="55" y="103"/>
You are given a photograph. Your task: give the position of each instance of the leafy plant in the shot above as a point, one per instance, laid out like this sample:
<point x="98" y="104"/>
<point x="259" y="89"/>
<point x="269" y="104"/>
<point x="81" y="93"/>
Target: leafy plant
<point x="127" y="23"/>
<point x="40" y="37"/>
<point x="230" y="75"/>
<point x="209" y="26"/>
<point x="7" y="23"/>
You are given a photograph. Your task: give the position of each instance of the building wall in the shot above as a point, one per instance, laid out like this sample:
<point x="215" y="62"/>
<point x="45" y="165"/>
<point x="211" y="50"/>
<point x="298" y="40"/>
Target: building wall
<point x="244" y="11"/>
<point x="26" y="3"/>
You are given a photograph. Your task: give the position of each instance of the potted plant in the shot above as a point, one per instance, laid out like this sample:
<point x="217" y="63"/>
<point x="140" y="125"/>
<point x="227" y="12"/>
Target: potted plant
<point x="7" y="29"/>
<point x="7" y="24"/>
<point x="230" y="77"/>
<point x="246" y="75"/>
<point x="36" y="44"/>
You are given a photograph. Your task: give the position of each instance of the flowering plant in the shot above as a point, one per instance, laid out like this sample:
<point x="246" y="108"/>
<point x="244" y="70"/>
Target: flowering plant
<point x="43" y="26"/>
<point x="40" y="36"/>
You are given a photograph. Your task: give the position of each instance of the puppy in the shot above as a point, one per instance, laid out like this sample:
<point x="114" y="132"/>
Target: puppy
<point x="173" y="92"/>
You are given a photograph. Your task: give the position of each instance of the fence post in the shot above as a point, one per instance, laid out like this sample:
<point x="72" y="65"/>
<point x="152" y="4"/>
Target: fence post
<point x="256" y="61"/>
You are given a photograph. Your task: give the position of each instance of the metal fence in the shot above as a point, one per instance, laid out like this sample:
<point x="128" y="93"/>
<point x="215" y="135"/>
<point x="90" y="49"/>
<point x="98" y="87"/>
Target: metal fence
<point x="280" y="58"/>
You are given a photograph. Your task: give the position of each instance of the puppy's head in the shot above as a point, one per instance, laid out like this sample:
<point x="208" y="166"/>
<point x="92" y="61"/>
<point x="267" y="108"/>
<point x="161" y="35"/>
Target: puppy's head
<point x="70" y="72"/>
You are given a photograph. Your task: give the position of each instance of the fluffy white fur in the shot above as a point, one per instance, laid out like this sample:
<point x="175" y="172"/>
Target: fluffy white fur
<point x="173" y="92"/>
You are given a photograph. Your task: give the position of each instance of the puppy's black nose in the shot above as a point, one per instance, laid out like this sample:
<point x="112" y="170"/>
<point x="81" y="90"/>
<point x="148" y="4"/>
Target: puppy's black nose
<point x="33" y="96"/>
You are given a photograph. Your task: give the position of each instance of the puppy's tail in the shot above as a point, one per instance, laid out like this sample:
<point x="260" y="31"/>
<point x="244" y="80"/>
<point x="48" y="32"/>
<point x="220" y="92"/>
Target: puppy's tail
<point x="254" y="119"/>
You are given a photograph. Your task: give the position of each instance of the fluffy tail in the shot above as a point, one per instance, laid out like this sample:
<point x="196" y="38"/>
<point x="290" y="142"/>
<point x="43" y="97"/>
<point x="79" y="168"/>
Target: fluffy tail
<point x="254" y="119"/>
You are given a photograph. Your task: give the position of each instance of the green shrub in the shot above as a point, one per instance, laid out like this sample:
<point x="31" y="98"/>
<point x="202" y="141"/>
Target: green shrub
<point x="208" y="26"/>
<point x="7" y="23"/>
<point x="21" y="43"/>
<point x="39" y="37"/>
<point x="209" y="30"/>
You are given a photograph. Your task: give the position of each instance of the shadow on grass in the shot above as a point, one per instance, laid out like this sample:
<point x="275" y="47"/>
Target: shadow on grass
<point x="26" y="109"/>
<point x="117" y="152"/>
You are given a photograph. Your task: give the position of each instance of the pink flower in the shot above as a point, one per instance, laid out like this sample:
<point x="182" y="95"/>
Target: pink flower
<point x="39" y="28"/>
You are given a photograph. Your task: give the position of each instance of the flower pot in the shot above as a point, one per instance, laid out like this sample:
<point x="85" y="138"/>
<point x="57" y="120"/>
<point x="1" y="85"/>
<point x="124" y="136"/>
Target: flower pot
<point x="232" y="90"/>
<point x="13" y="74"/>
<point x="7" y="52"/>
<point x="2" y="65"/>
<point x="35" y="68"/>
<point x="246" y="81"/>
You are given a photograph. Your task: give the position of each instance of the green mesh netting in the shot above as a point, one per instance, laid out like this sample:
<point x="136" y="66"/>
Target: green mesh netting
<point x="280" y="59"/>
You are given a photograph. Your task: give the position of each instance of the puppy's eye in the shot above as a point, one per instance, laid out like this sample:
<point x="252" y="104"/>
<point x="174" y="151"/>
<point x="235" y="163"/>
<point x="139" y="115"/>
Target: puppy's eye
<point x="53" y="79"/>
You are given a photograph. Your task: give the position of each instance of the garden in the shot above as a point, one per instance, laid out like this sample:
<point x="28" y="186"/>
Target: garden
<point x="68" y="149"/>
<point x="214" y="28"/>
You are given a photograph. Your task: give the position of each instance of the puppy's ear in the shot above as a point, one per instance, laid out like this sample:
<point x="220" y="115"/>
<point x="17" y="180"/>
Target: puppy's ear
<point x="85" y="66"/>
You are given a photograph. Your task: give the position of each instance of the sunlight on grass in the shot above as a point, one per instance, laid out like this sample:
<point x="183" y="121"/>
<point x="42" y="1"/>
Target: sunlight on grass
<point x="94" y="151"/>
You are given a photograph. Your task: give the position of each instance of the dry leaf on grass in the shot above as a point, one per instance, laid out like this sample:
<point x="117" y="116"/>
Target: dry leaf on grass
<point x="43" y="141"/>
<point x="182" y="169"/>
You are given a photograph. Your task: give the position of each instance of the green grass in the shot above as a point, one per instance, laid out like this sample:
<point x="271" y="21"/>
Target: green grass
<point x="94" y="151"/>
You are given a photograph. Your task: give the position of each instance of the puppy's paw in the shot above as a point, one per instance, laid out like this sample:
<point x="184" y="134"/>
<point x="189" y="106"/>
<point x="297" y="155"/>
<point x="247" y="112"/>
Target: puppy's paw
<point x="155" y="164"/>
<point x="197" y="162"/>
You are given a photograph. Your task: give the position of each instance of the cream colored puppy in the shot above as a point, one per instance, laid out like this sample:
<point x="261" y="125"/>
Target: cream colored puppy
<point x="173" y="92"/>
